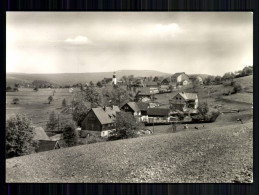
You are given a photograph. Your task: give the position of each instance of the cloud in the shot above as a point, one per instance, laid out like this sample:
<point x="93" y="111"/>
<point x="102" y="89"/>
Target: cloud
<point x="164" y="30"/>
<point x="78" y="40"/>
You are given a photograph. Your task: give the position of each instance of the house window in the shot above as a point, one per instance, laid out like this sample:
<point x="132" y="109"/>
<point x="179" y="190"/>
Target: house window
<point x="176" y="98"/>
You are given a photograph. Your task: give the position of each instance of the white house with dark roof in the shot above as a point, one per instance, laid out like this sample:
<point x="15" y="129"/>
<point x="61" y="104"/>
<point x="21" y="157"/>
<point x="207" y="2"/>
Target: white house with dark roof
<point x="183" y="101"/>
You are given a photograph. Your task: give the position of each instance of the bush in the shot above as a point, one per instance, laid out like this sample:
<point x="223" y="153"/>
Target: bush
<point x="50" y="99"/>
<point x="52" y="124"/>
<point x="64" y="103"/>
<point x="237" y="87"/>
<point x="126" y="126"/>
<point x="19" y="136"/>
<point x="205" y="114"/>
<point x="36" y="89"/>
<point x="16" y="101"/>
<point x="8" y="89"/>
<point x="70" y="135"/>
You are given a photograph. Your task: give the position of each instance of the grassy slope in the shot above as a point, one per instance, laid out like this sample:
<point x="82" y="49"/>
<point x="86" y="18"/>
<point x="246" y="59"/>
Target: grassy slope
<point x="217" y="154"/>
<point x="35" y="104"/>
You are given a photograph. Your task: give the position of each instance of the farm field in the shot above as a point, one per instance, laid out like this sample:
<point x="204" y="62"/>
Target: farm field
<point x="35" y="104"/>
<point x="213" y="154"/>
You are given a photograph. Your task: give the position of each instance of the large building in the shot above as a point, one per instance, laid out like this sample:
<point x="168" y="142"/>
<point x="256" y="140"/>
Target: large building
<point x="180" y="78"/>
<point x="100" y="119"/>
<point x="137" y="109"/>
<point x="184" y="101"/>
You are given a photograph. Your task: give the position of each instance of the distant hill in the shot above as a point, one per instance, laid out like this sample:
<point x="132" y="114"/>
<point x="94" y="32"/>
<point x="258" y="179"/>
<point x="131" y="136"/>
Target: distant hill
<point x="73" y="78"/>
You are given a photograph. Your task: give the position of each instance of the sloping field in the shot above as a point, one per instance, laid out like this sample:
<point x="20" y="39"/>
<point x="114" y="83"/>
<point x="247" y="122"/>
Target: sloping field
<point x="215" y="154"/>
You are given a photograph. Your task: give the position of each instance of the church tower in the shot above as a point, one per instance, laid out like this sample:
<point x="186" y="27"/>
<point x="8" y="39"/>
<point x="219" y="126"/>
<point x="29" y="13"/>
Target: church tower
<point x="114" y="79"/>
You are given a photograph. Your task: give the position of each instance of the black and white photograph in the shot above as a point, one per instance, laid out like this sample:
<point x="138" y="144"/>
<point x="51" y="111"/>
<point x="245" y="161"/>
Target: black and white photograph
<point x="129" y="97"/>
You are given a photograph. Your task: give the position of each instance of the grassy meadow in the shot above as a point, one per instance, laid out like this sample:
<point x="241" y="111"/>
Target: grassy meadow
<point x="35" y="104"/>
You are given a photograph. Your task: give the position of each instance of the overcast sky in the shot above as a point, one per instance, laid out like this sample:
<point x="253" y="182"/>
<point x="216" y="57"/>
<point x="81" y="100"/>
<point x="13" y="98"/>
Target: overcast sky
<point x="191" y="42"/>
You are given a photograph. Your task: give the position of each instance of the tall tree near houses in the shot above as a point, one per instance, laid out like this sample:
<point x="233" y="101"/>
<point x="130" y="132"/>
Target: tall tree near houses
<point x="50" y="99"/>
<point x="70" y="134"/>
<point x="117" y="96"/>
<point x="19" y="136"/>
<point x="52" y="124"/>
<point x="83" y="101"/>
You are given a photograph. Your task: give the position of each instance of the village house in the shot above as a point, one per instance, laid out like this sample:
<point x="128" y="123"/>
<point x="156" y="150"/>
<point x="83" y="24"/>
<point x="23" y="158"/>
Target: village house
<point x="137" y="109"/>
<point x="150" y="84"/>
<point x="101" y="119"/>
<point x="158" y="115"/>
<point x="144" y="95"/>
<point x="44" y="142"/>
<point x="180" y="78"/>
<point x="184" y="101"/>
<point x="165" y="83"/>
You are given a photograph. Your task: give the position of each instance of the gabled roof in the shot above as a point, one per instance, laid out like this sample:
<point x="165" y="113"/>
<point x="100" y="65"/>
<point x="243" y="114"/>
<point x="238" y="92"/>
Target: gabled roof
<point x="167" y="79"/>
<point x="107" y="115"/>
<point x="138" y="106"/>
<point x="145" y="91"/>
<point x="151" y="83"/>
<point x="40" y="134"/>
<point x="177" y="74"/>
<point x="134" y="106"/>
<point x="158" y="111"/>
<point x="142" y="106"/>
<point x="188" y="96"/>
<point x="46" y="145"/>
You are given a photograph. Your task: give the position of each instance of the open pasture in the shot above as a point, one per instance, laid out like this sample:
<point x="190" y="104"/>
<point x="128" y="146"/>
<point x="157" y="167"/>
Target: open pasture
<point x="35" y="104"/>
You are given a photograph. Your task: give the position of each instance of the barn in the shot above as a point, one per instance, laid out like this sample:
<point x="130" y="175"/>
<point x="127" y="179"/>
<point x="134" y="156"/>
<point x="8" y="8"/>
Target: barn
<point x="137" y="109"/>
<point x="100" y="119"/>
<point x="158" y="115"/>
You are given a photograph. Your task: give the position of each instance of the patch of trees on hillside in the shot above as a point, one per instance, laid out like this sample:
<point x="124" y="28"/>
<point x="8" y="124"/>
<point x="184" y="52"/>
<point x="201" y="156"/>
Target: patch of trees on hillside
<point x="228" y="77"/>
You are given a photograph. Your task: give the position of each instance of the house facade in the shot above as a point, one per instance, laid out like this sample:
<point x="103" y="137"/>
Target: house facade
<point x="137" y="109"/>
<point x="100" y="119"/>
<point x="158" y="115"/>
<point x="180" y="78"/>
<point x="183" y="101"/>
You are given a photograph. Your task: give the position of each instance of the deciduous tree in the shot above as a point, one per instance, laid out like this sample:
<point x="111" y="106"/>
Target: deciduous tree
<point x="52" y="124"/>
<point x="70" y="134"/>
<point x="82" y="102"/>
<point x="19" y="136"/>
<point x="126" y="126"/>
<point x="50" y="99"/>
